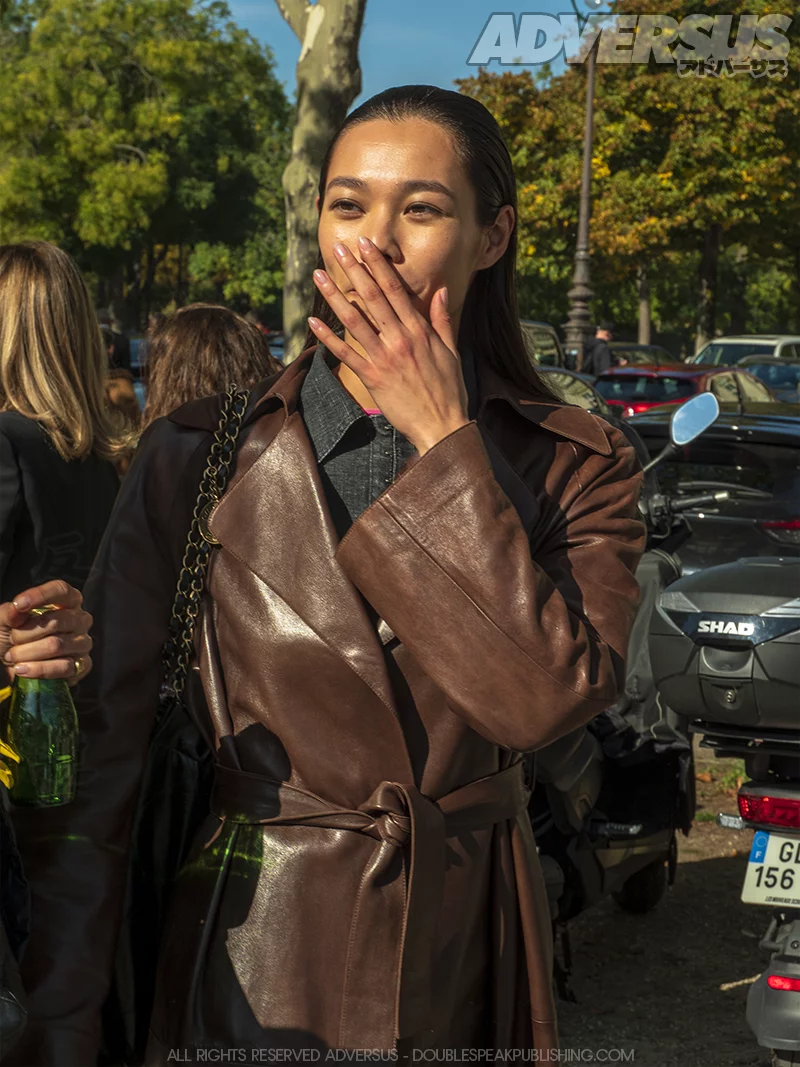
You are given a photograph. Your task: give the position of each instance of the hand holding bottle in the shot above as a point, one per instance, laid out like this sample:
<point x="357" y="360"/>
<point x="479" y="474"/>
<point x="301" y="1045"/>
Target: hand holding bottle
<point x="54" y="644"/>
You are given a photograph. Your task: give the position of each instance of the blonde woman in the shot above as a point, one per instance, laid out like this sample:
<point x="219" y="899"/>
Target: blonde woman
<point x="57" y="488"/>
<point x="58" y="438"/>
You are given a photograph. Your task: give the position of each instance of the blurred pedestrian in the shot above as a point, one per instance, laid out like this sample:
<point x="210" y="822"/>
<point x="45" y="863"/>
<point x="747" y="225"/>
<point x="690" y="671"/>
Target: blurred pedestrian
<point x="199" y="351"/>
<point x="596" y="354"/>
<point x="255" y="318"/>
<point x="121" y="341"/>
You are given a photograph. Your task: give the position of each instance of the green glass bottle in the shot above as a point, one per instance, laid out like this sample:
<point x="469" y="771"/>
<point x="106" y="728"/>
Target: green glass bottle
<point x="42" y="728"/>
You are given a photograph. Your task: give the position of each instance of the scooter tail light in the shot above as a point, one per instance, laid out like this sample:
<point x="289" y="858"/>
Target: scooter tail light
<point x="784" y="530"/>
<point x="781" y="981"/>
<point x="772" y="811"/>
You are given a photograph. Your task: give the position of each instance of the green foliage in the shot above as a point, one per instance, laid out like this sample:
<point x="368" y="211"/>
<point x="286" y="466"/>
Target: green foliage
<point x="128" y="129"/>
<point x="671" y="156"/>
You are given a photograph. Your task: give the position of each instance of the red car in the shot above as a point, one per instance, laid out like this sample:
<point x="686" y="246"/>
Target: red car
<point x="631" y="390"/>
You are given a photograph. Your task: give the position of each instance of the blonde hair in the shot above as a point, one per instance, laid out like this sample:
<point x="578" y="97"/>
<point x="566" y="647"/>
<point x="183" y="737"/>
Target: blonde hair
<point x="53" y="366"/>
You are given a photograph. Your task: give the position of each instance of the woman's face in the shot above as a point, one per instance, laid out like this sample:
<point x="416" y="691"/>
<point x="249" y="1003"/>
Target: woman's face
<point x="402" y="185"/>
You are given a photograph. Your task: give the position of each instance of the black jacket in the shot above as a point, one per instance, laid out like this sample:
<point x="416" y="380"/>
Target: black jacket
<point x="52" y="512"/>
<point x="596" y="357"/>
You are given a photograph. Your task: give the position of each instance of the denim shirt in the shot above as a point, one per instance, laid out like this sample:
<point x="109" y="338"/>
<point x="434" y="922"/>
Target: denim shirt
<point x="359" y="455"/>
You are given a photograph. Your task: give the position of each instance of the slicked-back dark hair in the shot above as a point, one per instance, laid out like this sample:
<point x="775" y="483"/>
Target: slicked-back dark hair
<point x="490" y="320"/>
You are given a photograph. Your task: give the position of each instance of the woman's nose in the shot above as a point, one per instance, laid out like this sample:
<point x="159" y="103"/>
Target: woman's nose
<point x="384" y="238"/>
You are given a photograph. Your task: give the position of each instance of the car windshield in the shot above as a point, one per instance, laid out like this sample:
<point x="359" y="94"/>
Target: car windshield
<point x="723" y="353"/>
<point x="574" y="390"/>
<point x="541" y="345"/>
<point x="659" y="388"/>
<point x="643" y="354"/>
<point x="776" y="375"/>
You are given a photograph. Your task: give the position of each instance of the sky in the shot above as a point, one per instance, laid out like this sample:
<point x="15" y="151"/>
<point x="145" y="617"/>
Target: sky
<point x="403" y="42"/>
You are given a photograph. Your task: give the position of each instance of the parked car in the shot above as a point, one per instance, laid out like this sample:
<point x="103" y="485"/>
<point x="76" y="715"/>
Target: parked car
<point x="637" y="355"/>
<point x="575" y="388"/>
<point x="755" y="455"/>
<point x="275" y="342"/>
<point x="631" y="390"/>
<point x="781" y="376"/>
<point x="541" y="340"/>
<point x="730" y="350"/>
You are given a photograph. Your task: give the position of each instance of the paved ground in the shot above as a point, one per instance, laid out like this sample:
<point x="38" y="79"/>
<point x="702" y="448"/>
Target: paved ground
<point x="672" y="985"/>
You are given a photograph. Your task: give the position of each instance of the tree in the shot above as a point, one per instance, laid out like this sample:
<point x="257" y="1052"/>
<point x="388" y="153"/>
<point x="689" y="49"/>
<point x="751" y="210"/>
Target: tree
<point x="130" y="130"/>
<point x="328" y="81"/>
<point x="682" y="169"/>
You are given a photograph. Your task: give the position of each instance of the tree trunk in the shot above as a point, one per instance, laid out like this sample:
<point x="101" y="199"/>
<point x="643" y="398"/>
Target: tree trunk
<point x="797" y="289"/>
<point x="181" y="288"/>
<point x="328" y="81"/>
<point x="644" y="306"/>
<point x="739" y="294"/>
<point x="707" y="292"/>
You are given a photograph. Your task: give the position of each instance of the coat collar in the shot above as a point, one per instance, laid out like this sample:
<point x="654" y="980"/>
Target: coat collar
<point x="564" y="420"/>
<point x="283" y="390"/>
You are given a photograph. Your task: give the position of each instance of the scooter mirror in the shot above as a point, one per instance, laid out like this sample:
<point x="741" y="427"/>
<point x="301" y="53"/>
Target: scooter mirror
<point x="692" y="418"/>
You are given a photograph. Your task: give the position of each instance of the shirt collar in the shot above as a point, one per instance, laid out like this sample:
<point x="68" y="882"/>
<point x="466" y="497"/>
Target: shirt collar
<point x="328" y="409"/>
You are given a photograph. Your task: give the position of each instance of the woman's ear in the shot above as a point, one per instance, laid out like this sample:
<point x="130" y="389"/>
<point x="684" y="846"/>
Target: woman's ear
<point x="497" y="237"/>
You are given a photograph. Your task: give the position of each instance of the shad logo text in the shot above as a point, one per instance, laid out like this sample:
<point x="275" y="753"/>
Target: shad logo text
<point x="736" y="629"/>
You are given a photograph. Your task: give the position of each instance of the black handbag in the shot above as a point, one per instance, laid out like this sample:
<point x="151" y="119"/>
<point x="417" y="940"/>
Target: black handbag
<point x="176" y="785"/>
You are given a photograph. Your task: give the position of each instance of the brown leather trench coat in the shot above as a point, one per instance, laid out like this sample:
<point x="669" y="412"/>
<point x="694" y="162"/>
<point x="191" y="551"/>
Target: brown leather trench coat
<point x="368" y="871"/>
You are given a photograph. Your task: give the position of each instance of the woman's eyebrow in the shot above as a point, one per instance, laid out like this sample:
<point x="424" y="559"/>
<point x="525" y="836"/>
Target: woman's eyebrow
<point x="419" y="185"/>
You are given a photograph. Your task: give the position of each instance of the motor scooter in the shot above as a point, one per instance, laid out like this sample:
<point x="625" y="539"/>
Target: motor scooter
<point x="609" y="799"/>
<point x="725" y="653"/>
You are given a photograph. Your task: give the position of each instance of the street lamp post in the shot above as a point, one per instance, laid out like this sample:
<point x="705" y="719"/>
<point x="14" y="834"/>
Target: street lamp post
<point x="578" y="326"/>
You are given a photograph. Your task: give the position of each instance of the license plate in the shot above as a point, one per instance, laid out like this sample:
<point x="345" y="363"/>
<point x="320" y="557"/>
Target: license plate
<point x="773" y="871"/>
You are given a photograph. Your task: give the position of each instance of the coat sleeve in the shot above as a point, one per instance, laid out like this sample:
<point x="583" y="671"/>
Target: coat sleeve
<point x="525" y="649"/>
<point x="76" y="856"/>
<point x="10" y="502"/>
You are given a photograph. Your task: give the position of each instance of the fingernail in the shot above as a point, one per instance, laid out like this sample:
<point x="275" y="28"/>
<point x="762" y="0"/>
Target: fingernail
<point x="22" y="668"/>
<point x="364" y="244"/>
<point x="315" y="324"/>
<point x="340" y="250"/>
<point x="321" y="277"/>
<point x="22" y="603"/>
<point x="445" y="296"/>
<point x="8" y="660"/>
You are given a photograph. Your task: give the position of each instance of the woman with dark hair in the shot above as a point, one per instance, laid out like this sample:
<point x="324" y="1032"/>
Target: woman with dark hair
<point x="200" y="351"/>
<point x="421" y="569"/>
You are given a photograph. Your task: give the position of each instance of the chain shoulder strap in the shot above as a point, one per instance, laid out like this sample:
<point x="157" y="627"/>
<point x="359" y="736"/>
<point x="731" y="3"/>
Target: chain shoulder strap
<point x="179" y="647"/>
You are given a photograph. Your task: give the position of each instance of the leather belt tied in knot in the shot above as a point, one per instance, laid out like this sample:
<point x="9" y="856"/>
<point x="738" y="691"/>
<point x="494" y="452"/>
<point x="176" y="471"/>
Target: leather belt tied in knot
<point x="389" y="967"/>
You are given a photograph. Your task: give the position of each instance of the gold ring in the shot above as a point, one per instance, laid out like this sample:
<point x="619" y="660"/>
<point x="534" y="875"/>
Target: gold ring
<point x="78" y="662"/>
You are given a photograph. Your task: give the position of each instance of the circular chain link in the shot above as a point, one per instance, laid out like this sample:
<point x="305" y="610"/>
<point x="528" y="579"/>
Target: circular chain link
<point x="179" y="648"/>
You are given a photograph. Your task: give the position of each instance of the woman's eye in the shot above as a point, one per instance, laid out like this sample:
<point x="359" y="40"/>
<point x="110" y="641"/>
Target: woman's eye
<point x="349" y="207"/>
<point x="344" y="205"/>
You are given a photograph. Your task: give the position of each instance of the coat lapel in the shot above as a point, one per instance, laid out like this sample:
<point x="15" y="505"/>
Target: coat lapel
<point x="560" y="419"/>
<point x="275" y="520"/>
<point x="274" y="517"/>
